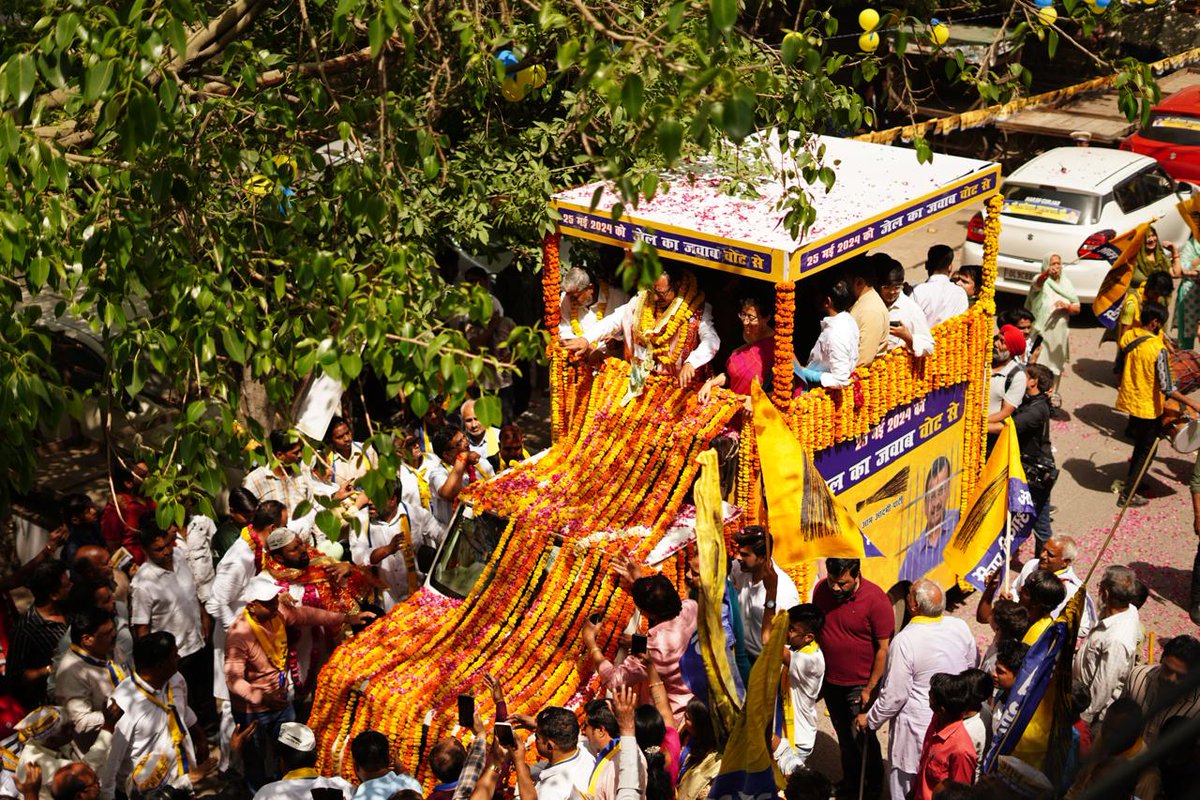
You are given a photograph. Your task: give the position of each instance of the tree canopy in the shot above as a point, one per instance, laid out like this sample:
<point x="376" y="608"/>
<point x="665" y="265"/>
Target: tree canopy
<point x="170" y="179"/>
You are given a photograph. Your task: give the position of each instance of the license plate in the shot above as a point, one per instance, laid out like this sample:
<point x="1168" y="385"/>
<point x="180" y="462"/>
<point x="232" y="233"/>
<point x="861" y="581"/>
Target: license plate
<point x="1016" y="275"/>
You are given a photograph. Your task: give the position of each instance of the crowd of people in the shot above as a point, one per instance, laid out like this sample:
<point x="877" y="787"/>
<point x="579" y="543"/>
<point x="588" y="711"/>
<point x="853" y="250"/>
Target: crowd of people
<point x="155" y="661"/>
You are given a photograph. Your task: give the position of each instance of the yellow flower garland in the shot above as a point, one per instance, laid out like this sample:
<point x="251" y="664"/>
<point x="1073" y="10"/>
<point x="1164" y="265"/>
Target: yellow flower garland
<point x="665" y="335"/>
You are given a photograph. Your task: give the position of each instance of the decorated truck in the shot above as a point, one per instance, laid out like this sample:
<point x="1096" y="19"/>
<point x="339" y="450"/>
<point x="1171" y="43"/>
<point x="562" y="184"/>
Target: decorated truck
<point x="527" y="558"/>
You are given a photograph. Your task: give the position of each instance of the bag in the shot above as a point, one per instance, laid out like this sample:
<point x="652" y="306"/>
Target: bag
<point x="1039" y="475"/>
<point x="1119" y="361"/>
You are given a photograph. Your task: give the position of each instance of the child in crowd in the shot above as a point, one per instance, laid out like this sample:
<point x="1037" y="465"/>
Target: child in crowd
<point x="1009" y="657"/>
<point x="948" y="753"/>
<point x="805" y="672"/>
<point x="978" y="717"/>
<point x="1009" y="622"/>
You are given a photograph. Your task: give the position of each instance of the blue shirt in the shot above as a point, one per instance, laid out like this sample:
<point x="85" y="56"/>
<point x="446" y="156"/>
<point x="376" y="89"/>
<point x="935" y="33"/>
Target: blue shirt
<point x="385" y="786"/>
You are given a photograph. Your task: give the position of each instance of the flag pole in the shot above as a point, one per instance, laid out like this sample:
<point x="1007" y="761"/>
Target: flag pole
<point x="1124" y="507"/>
<point x="1008" y="552"/>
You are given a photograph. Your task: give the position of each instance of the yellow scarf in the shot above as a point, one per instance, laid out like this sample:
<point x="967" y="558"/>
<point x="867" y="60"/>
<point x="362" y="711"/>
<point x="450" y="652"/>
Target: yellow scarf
<point x="273" y="639"/>
<point x="303" y="772"/>
<point x="422" y="486"/>
<point x="115" y="673"/>
<point x="174" y="722"/>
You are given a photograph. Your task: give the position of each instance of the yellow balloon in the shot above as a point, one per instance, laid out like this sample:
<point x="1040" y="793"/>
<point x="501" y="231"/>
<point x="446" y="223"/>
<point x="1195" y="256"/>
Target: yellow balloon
<point x="259" y="186"/>
<point x="537" y="76"/>
<point x="1047" y="16"/>
<point x="868" y="19"/>
<point x="1149" y="2"/>
<point x="940" y="34"/>
<point x="868" y="42"/>
<point x="513" y="89"/>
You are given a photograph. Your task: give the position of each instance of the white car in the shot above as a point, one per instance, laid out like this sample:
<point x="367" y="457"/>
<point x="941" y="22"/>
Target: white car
<point x="1071" y="201"/>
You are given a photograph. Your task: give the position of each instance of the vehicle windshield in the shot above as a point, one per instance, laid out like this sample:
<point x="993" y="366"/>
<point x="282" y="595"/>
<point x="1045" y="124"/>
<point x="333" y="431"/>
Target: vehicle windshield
<point x="1173" y="129"/>
<point x="1048" y="204"/>
<point x="468" y="548"/>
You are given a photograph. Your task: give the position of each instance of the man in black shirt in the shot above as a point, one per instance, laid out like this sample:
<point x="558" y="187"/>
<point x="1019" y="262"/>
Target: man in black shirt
<point x="37" y="633"/>
<point x="1032" y="423"/>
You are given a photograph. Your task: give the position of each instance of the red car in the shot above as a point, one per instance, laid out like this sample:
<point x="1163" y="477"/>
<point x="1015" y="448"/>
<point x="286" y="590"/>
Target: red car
<point x="1173" y="135"/>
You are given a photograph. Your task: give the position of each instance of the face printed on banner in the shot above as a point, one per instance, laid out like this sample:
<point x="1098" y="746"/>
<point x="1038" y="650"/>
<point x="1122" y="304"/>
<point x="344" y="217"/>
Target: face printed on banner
<point x="937" y="493"/>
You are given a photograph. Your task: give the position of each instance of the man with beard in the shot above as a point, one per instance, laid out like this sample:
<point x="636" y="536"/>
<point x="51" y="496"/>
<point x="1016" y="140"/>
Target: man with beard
<point x="1006" y="389"/>
<point x="859" y="624"/>
<point x="678" y="324"/>
<point x="925" y="552"/>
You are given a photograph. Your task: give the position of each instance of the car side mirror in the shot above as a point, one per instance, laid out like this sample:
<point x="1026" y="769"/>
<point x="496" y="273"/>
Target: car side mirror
<point x="1184" y="189"/>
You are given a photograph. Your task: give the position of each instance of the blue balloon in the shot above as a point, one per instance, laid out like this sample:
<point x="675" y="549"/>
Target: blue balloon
<point x="934" y="22"/>
<point x="1102" y="3"/>
<point x="1044" y="3"/>
<point x="507" y="58"/>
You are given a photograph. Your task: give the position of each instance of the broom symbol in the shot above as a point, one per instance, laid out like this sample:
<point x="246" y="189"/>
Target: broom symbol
<point x="894" y="486"/>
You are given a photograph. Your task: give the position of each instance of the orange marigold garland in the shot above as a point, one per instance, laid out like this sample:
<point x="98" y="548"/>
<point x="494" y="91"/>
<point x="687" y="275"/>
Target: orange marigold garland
<point x="785" y="320"/>
<point x="551" y="283"/>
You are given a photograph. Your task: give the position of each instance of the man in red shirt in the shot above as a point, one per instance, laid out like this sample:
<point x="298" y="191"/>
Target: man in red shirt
<point x="859" y="624"/>
<point x="948" y="753"/>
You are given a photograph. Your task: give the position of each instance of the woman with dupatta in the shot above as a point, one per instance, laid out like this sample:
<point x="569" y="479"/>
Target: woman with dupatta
<point x="1052" y="301"/>
<point x="1155" y="256"/>
<point x="754" y="359"/>
<point x="1187" y="299"/>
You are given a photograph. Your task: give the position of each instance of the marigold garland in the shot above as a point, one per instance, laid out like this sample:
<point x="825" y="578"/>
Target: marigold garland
<point x="666" y="335"/>
<point x="785" y="319"/>
<point x="551" y="283"/>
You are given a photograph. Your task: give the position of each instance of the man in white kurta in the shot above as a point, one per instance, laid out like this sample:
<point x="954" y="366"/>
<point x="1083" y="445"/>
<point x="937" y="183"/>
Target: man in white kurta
<point x="390" y="542"/>
<point x="585" y="302"/>
<point x="1058" y="556"/>
<point x="937" y="296"/>
<point x="1105" y="658"/>
<point x="930" y="643"/>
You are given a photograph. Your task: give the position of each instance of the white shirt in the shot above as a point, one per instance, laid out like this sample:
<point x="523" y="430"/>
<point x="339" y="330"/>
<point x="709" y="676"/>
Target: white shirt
<point x="625" y="319"/>
<point x="940" y="299"/>
<point x="82" y="689"/>
<point x="906" y="310"/>
<point x="443" y="510"/>
<point x="51" y="761"/>
<point x="752" y="596"/>
<point x="144" y="732"/>
<point x="836" y="350"/>
<point x="981" y="736"/>
<point x="393" y="570"/>
<point x="1003" y="389"/>
<point x="197" y="542"/>
<point x="233" y="575"/>
<point x="609" y="298"/>
<point x="385" y="786"/>
<point x="806" y="671"/>
<point x="358" y="464"/>
<point x="1105" y="659"/>
<point x="300" y="786"/>
<point x="488" y="446"/>
<point x="1070" y="582"/>
<point x="926" y="646"/>
<point x="410" y="486"/>
<point x="568" y="778"/>
<point x="166" y="600"/>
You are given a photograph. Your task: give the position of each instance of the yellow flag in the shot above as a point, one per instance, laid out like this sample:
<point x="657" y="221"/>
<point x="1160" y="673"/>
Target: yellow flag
<point x="723" y="696"/>
<point x="977" y="546"/>
<point x="1121" y="251"/>
<point x="1186" y="209"/>
<point x="806" y="520"/>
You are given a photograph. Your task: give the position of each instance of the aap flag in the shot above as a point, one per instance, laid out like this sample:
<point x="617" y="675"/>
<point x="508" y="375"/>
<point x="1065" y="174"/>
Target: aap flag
<point x="1026" y="694"/>
<point x="979" y="542"/>
<point x="1122" y="251"/>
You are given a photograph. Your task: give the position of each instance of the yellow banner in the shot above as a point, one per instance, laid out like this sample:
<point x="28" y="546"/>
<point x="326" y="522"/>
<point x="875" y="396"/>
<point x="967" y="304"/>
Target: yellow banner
<point x="1111" y="296"/>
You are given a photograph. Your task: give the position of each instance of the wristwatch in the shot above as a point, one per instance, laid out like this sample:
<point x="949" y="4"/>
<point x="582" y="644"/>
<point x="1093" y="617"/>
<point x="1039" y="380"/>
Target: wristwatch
<point x="769" y="605"/>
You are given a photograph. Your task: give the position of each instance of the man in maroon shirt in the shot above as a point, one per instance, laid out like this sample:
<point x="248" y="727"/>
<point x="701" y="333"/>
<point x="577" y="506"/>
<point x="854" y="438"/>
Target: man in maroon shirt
<point x="859" y="624"/>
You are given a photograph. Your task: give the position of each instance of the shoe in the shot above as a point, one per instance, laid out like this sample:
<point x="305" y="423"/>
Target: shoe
<point x="1133" y="502"/>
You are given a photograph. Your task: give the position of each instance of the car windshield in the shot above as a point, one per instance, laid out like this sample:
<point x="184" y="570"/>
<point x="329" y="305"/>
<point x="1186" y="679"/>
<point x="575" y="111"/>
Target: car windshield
<point x="1173" y="129"/>
<point x="468" y="548"/>
<point x="1048" y="204"/>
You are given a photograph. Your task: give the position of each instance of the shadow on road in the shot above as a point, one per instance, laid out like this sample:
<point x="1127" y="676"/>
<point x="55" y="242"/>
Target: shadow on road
<point x="1102" y="418"/>
<point x="1096" y="371"/>
<point x="1097" y="477"/>
<point x="1167" y="584"/>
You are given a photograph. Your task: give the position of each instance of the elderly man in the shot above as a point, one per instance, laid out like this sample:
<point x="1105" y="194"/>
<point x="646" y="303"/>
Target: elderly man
<point x="931" y="643"/>
<point x="682" y="331"/>
<point x="585" y="302"/>
<point x="1167" y="689"/>
<point x="1103" y="663"/>
<point x="1057" y="556"/>
<point x="859" y="623"/>
<point x="480" y="439"/>
<point x="45" y="738"/>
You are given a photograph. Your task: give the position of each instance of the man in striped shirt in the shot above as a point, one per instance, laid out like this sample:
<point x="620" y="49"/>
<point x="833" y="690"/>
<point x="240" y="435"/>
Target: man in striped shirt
<point x="1169" y="688"/>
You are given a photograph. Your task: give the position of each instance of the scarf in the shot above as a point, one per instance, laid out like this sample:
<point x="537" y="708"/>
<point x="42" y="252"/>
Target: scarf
<point x="115" y="673"/>
<point x="1145" y="265"/>
<point x="272" y="639"/>
<point x="174" y="722"/>
<point x="1041" y="299"/>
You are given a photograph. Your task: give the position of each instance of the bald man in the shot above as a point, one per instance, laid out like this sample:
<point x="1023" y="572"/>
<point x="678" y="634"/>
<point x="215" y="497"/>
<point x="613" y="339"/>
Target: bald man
<point x="92" y="564"/>
<point x="485" y="441"/>
<point x="75" y="781"/>
<point x="930" y="643"/>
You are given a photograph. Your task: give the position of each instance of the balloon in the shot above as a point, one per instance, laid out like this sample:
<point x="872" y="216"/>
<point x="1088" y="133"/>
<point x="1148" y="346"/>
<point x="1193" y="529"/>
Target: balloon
<point x="259" y="186"/>
<point x="537" y="76"/>
<point x="1149" y="2"/>
<point x="1102" y="3"/>
<point x="868" y="42"/>
<point x="1044" y="3"/>
<point x="1047" y="16"/>
<point x="939" y="33"/>
<point x="868" y="19"/>
<point x="514" y="89"/>
<point x="507" y="58"/>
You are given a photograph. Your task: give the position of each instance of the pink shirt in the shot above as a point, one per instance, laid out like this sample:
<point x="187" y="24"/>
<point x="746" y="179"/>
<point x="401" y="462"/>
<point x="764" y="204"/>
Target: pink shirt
<point x="947" y="755"/>
<point x="248" y="670"/>
<point x="664" y="646"/>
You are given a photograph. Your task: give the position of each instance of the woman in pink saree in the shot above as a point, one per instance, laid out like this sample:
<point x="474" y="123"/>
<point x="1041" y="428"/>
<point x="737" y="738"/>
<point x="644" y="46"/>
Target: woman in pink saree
<point x="754" y="359"/>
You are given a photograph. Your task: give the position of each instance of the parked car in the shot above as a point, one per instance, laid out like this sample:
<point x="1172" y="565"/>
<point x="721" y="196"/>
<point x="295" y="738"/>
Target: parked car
<point x="1172" y="137"/>
<point x="1071" y="201"/>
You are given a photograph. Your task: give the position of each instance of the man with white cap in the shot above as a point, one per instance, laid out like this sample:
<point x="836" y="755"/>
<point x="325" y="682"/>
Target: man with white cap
<point x="46" y="741"/>
<point x="258" y="671"/>
<point x="296" y="748"/>
<point x="157" y="741"/>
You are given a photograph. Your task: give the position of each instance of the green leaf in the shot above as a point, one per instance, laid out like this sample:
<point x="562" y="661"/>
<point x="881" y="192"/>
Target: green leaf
<point x="96" y="81"/>
<point x="377" y="35"/>
<point x="195" y="411"/>
<point x="64" y="29"/>
<point x="488" y="409"/>
<point x="234" y="347"/>
<point x="419" y="403"/>
<point x="633" y="95"/>
<point x="22" y="75"/>
<point x="351" y="365"/>
<point x="723" y="13"/>
<point x="329" y="524"/>
<point x="670" y="139"/>
<point x="39" y="273"/>
<point x="568" y="52"/>
<point x="1051" y="42"/>
<point x="739" y="115"/>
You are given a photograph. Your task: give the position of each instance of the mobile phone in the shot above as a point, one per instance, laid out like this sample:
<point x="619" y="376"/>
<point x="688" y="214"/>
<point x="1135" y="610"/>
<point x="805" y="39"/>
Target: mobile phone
<point x="638" y="648"/>
<point x="595" y="618"/>
<point x="466" y="711"/>
<point x="505" y="735"/>
<point x="895" y="323"/>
